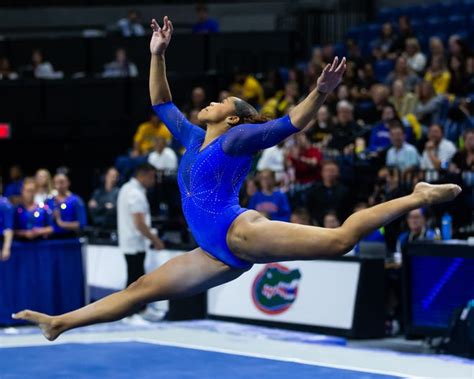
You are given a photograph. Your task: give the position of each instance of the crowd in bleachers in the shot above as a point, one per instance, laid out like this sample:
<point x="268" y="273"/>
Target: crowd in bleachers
<point x="403" y="113"/>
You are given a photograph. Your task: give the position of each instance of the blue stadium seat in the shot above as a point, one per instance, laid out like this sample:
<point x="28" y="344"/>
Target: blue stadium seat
<point x="455" y="23"/>
<point x="382" y="68"/>
<point x="434" y="25"/>
<point x="388" y="14"/>
<point x="339" y="49"/>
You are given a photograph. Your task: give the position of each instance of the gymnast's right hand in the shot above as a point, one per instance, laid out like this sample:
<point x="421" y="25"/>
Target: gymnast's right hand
<point x="161" y="36"/>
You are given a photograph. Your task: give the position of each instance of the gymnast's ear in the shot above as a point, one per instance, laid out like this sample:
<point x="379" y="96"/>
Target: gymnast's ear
<point x="232" y="120"/>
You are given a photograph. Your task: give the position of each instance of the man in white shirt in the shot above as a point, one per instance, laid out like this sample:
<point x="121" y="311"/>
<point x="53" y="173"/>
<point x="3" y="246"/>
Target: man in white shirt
<point x="273" y="159"/>
<point x="401" y="155"/>
<point x="163" y="158"/>
<point x="438" y="150"/>
<point x="134" y="221"/>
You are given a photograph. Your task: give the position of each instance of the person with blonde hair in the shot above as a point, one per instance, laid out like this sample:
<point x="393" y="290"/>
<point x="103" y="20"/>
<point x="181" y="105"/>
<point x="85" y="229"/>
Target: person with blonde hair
<point x="416" y="60"/>
<point x="44" y="185"/>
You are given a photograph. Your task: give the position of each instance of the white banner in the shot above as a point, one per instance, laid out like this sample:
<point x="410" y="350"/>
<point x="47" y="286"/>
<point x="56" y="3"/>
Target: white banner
<point x="318" y="293"/>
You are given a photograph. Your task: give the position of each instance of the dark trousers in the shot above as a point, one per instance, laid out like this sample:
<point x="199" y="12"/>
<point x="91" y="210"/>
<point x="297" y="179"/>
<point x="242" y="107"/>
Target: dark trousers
<point x="135" y="268"/>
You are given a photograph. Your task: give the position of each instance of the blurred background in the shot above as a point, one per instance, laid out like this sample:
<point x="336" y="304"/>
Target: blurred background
<point x="74" y="101"/>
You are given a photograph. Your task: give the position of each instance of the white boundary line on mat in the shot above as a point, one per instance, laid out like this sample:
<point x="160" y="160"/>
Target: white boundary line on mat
<point x="158" y="341"/>
<point x="272" y="357"/>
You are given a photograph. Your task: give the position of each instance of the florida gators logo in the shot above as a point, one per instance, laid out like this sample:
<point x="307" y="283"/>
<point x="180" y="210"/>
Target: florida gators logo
<point x="275" y="288"/>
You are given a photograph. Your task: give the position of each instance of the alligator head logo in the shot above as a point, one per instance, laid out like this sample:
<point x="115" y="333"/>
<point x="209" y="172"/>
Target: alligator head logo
<point x="275" y="288"/>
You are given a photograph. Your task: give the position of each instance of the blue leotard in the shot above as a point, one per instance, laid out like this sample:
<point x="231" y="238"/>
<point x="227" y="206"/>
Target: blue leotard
<point x="209" y="180"/>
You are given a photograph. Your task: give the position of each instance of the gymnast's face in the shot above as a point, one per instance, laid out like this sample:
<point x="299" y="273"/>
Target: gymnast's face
<point x="216" y="113"/>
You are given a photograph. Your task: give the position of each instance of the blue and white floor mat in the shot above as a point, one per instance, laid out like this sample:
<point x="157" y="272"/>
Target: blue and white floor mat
<point x="207" y="349"/>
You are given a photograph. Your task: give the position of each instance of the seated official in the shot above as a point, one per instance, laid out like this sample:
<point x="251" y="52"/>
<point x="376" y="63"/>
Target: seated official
<point x="68" y="209"/>
<point x="6" y="228"/>
<point x="103" y="204"/>
<point x="269" y="201"/>
<point x="32" y="221"/>
<point x="417" y="229"/>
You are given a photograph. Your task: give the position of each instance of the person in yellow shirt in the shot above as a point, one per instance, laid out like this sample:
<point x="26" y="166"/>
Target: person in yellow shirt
<point x="438" y="75"/>
<point x="247" y="87"/>
<point x="143" y="141"/>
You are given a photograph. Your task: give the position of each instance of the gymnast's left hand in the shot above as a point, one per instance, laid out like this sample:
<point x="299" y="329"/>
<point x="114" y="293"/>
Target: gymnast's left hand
<point x="331" y="76"/>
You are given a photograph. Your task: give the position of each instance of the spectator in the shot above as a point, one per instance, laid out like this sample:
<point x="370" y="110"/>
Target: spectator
<point x="372" y="112"/>
<point x="429" y="107"/>
<point x="401" y="155"/>
<point x="416" y="60"/>
<point x="198" y="101"/>
<point x="345" y="129"/>
<point x="301" y="216"/>
<point x="121" y="67"/>
<point x="143" y="141"/>
<point x="458" y="47"/>
<point x="40" y="68"/>
<point x="103" y="204"/>
<point x="6" y="227"/>
<point x="304" y="159"/>
<point x="134" y="221"/>
<point x="387" y="186"/>
<point x="402" y="72"/>
<point x="32" y="221"/>
<point x="417" y="229"/>
<point x="273" y="159"/>
<point x="6" y="73"/>
<point x="205" y="24"/>
<point x="163" y="158"/>
<point x="280" y="104"/>
<point x="68" y="209"/>
<point x="438" y="75"/>
<point x="247" y="87"/>
<point x="268" y="200"/>
<point x="436" y="48"/>
<point x="384" y="44"/>
<point x="130" y="26"/>
<point x="13" y="189"/>
<point x="438" y="150"/>
<point x="464" y="160"/>
<point x="319" y="131"/>
<point x="364" y="82"/>
<point x="459" y="79"/>
<point x="331" y="220"/>
<point x="404" y="32"/>
<point x="44" y="186"/>
<point x="380" y="134"/>
<point x="247" y="191"/>
<point x="457" y="120"/>
<point x="404" y="101"/>
<point x="328" y="194"/>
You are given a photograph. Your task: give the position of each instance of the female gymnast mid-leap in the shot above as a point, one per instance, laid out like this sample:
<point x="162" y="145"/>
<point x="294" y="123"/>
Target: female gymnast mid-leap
<point x="211" y="172"/>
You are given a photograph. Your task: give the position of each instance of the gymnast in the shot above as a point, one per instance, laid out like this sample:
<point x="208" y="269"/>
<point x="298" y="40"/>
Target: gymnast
<point x="211" y="172"/>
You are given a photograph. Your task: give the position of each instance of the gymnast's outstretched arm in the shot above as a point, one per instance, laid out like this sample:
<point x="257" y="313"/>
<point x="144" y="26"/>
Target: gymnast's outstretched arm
<point x="160" y="93"/>
<point x="159" y="88"/>
<point x="307" y="110"/>
<point x="247" y="139"/>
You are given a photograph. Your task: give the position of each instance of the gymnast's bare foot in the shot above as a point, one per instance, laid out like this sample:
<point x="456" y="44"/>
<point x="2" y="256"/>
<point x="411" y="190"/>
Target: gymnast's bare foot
<point x="436" y="193"/>
<point x="49" y="325"/>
